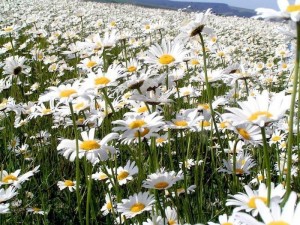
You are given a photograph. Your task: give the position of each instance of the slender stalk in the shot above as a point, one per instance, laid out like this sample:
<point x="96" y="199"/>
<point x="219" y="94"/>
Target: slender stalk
<point x="209" y="93"/>
<point x="291" y="117"/>
<point x="267" y="163"/>
<point x="77" y="164"/>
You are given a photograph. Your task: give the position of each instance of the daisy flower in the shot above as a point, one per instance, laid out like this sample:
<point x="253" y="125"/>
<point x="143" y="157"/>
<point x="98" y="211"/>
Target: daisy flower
<point x="89" y="64"/>
<point x="89" y="147"/>
<point x="162" y="180"/>
<point x="101" y="80"/>
<point x="14" y="65"/>
<point x="259" y="110"/>
<point x="197" y="25"/>
<point x="248" y="201"/>
<point x="136" y="204"/>
<point x="7" y="194"/>
<point x="166" y="54"/>
<point x="277" y="137"/>
<point x="14" y="178"/>
<point x="171" y="216"/>
<point x="185" y="119"/>
<point x="275" y="215"/>
<point x="108" y="206"/>
<point x="35" y="210"/>
<point x="126" y="173"/>
<point x="135" y="125"/>
<point x="243" y="164"/>
<point x="287" y="11"/>
<point x="71" y="185"/>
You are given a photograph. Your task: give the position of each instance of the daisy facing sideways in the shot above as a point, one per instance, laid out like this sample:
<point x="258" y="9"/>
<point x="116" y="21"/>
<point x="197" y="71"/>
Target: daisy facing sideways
<point x="275" y="215"/>
<point x="93" y="149"/>
<point x="248" y="201"/>
<point x="136" y="204"/>
<point x="259" y="110"/>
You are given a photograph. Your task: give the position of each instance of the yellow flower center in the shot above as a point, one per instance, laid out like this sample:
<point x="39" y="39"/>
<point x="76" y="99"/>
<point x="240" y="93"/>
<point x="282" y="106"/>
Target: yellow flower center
<point x="46" y="111"/>
<point x="35" y="209"/>
<point x="147" y="27"/>
<point x="239" y="171"/>
<point x="101" y="81"/>
<point x="67" y="93"/>
<point x="160" y="140"/>
<point x="137" y="207"/>
<point x="284" y="66"/>
<point x="102" y="176"/>
<point x="161" y="185"/>
<point x="254" y="116"/>
<point x="91" y="64"/>
<point x="181" y="123"/>
<point x="292" y="8"/>
<point x="79" y="105"/>
<point x="8" y="178"/>
<point x="204" y="106"/>
<point x="131" y="69"/>
<point x="221" y="54"/>
<point x="166" y="59"/>
<point x="226" y="223"/>
<point x="109" y="205"/>
<point x="142" y="109"/>
<point x="260" y="177"/>
<point x="172" y="222"/>
<point x="136" y="124"/>
<point x="8" y="29"/>
<point x="244" y="133"/>
<point x="122" y="175"/>
<point x="195" y="62"/>
<point x="141" y="134"/>
<point x="69" y="183"/>
<point x="278" y="223"/>
<point x="276" y="138"/>
<point x="223" y="125"/>
<point x="205" y="123"/>
<point x="89" y="145"/>
<point x="113" y="24"/>
<point x="252" y="204"/>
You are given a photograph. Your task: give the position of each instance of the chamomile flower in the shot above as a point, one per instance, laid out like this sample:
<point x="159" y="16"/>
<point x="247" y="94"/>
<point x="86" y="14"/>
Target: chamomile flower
<point x="35" y="210"/>
<point x="259" y="110"/>
<point x="108" y="206"/>
<point x="71" y="185"/>
<point x="136" y="204"/>
<point x="166" y="54"/>
<point x="7" y="194"/>
<point x="248" y="201"/>
<point x="125" y="174"/>
<point x="15" y="179"/>
<point x="135" y="125"/>
<point x="243" y="164"/>
<point x="275" y="214"/>
<point x="162" y="180"/>
<point x="197" y="25"/>
<point x="14" y="66"/>
<point x="89" y="147"/>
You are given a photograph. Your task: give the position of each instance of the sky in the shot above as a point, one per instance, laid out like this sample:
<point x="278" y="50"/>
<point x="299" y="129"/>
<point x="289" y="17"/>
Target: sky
<point x="249" y="4"/>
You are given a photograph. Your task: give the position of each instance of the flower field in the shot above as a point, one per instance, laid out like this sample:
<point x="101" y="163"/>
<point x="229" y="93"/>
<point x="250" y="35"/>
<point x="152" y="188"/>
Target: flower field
<point x="118" y="114"/>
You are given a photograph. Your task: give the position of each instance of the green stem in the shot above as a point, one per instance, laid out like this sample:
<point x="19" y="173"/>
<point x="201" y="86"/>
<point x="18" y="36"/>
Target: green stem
<point x="77" y="164"/>
<point x="291" y="117"/>
<point x="267" y="163"/>
<point x="209" y="93"/>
